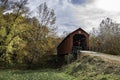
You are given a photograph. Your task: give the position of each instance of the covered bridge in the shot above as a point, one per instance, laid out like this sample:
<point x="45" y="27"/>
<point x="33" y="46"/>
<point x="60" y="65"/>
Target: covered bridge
<point x="78" y="38"/>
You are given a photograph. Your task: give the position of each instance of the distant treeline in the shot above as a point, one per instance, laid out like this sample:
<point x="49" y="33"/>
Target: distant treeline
<point x="106" y="38"/>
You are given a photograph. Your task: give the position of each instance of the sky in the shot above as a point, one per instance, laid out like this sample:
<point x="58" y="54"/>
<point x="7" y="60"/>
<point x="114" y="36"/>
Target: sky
<point x="85" y="14"/>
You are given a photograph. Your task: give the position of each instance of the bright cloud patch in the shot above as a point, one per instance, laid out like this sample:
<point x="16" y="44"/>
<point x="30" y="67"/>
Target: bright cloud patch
<point x="108" y="5"/>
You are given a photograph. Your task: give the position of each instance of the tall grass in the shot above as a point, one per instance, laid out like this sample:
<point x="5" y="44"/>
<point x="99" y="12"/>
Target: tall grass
<point x="34" y="75"/>
<point x="86" y="68"/>
<point x="93" y="68"/>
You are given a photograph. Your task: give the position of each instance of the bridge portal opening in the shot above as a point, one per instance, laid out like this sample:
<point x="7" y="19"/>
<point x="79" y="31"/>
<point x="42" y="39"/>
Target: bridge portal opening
<point x="79" y="41"/>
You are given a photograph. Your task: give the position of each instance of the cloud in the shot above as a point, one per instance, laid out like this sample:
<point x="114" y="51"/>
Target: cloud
<point x="78" y="1"/>
<point x="72" y="14"/>
<point x="108" y="5"/>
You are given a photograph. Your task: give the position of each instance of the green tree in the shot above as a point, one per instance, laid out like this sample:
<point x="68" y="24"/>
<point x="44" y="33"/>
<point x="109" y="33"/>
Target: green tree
<point x="24" y="39"/>
<point x="12" y="26"/>
<point x="40" y="39"/>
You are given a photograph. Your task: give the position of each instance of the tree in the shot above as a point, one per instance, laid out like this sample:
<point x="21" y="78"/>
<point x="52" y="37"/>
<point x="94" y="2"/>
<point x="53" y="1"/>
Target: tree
<point x="39" y="43"/>
<point x="40" y="39"/>
<point x="11" y="27"/>
<point x="46" y="16"/>
<point x="107" y="36"/>
<point x="24" y="39"/>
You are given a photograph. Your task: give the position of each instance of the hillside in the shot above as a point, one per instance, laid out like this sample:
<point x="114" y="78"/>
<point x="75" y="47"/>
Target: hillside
<point x="90" y="66"/>
<point x="95" y="66"/>
<point x="106" y="57"/>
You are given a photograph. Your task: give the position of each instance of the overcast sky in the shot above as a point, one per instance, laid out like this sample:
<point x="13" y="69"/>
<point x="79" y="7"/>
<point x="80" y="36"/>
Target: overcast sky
<point x="73" y="14"/>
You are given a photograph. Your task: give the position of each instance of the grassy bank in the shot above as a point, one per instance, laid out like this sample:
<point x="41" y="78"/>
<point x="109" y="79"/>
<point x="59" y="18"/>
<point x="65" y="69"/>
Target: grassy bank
<point x="93" y="68"/>
<point x="86" y="68"/>
<point x="46" y="74"/>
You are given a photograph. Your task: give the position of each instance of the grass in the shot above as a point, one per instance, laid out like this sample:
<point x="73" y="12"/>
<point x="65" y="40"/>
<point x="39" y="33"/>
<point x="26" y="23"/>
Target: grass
<point x="86" y="68"/>
<point x="46" y="74"/>
<point x="93" y="68"/>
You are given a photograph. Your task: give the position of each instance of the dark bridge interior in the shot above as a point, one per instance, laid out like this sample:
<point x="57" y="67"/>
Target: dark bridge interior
<point x="79" y="41"/>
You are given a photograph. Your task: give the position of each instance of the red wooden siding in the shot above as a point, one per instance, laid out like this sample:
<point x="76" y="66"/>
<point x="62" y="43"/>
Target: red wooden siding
<point x="65" y="47"/>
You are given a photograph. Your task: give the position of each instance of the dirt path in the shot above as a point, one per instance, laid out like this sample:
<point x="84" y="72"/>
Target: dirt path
<point x="106" y="57"/>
